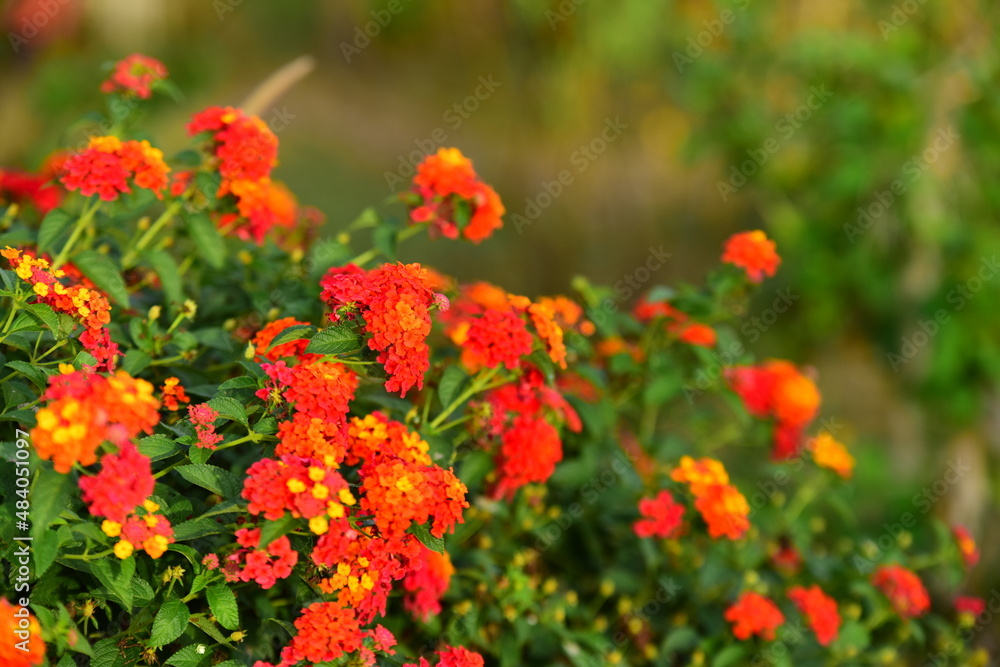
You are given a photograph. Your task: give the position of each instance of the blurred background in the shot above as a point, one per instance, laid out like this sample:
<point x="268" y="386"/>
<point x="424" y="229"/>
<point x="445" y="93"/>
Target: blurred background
<point x="862" y="136"/>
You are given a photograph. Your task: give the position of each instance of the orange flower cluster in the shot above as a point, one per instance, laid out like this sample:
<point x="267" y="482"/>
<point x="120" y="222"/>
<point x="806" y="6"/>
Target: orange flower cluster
<point x="303" y="487"/>
<point x="124" y="482"/>
<point x="86" y="305"/>
<point x="663" y="517"/>
<point x="20" y="187"/>
<point x="107" y="165"/>
<point x="821" y="611"/>
<point x="327" y="631"/>
<point x="149" y="532"/>
<point x="395" y="301"/>
<point x="831" y="454"/>
<point x="754" y="253"/>
<point x="86" y="409"/>
<point x="398" y="493"/>
<point x="427" y="583"/>
<point x="524" y="417"/>
<point x="720" y="504"/>
<point x="904" y="589"/>
<point x="264" y="566"/>
<point x="453" y="656"/>
<point x="778" y="389"/>
<point x="22" y="645"/>
<point x="677" y="322"/>
<point x="313" y="438"/>
<point x="317" y="389"/>
<point x="754" y="614"/>
<point x="448" y="195"/>
<point x="966" y="546"/>
<point x="135" y="75"/>
<point x="376" y="434"/>
<point x="173" y="394"/>
<point x="293" y="348"/>
<point x="568" y="314"/>
<point x="246" y="151"/>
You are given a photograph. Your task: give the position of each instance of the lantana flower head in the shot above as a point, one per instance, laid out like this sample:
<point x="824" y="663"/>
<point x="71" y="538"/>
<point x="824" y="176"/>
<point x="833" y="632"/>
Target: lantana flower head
<point x="663" y="517"/>
<point x="754" y="253"/>
<point x="124" y="482"/>
<point x="427" y="583"/>
<point x="821" y="611"/>
<point x="831" y="454"/>
<point x="108" y="165"/>
<point x="135" y="74"/>
<point x="904" y="589"/>
<point x="754" y="614"/>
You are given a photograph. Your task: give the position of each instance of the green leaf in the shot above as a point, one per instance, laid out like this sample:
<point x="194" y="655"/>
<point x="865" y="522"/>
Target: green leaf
<point x="47" y="317"/>
<point x="158" y="447"/>
<point x="33" y="373"/>
<point x="50" y="494"/>
<point x="422" y="533"/>
<point x="213" y="478"/>
<point x="272" y="530"/>
<point x="46" y="547"/>
<point x="730" y="655"/>
<point x="106" y="654"/>
<point x="206" y="236"/>
<point x="135" y="362"/>
<point x="451" y="383"/>
<point x="241" y="382"/>
<point x="680" y="639"/>
<point x="169" y="623"/>
<point x="209" y="629"/>
<point x="222" y="602"/>
<point x="230" y="408"/>
<point x="294" y="332"/>
<point x="338" y="339"/>
<point x="189" y="657"/>
<point x="116" y="575"/>
<point x="195" y="528"/>
<point x="104" y="273"/>
<point x="170" y="278"/>
<point x="55" y="224"/>
<point x="385" y="239"/>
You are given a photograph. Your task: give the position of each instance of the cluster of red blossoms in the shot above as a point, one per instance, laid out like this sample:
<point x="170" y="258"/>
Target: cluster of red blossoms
<point x="20" y="187"/>
<point x="263" y="565"/>
<point x="904" y="589"/>
<point x="720" y="504"/>
<point x="246" y="150"/>
<point x="84" y="410"/>
<point x="677" y="322"/>
<point x="86" y="305"/>
<point x="427" y="583"/>
<point x="778" y="389"/>
<point x="491" y="327"/>
<point x="523" y="426"/>
<point x="135" y="75"/>
<point x="755" y="614"/>
<point x="456" y="656"/>
<point x="395" y="301"/>
<point x="448" y="196"/>
<point x="203" y="418"/>
<point x="663" y="517"/>
<point x="107" y="165"/>
<point x="753" y="252"/>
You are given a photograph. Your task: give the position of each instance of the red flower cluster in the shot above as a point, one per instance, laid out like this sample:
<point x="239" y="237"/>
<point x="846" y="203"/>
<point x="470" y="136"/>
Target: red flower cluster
<point x="264" y="566"/>
<point x="20" y="187"/>
<point x="448" y="195"/>
<point x="663" y="517"/>
<point x="677" y="322"/>
<point x="427" y="583"/>
<point x="491" y="327"/>
<point x="327" y="631"/>
<point x="821" y="611"/>
<point x="453" y="656"/>
<point x="173" y="394"/>
<point x="754" y="253"/>
<point x="721" y="504"/>
<point x="107" y="165"/>
<point x="135" y="75"/>
<point x="524" y="417"/>
<point x="150" y="532"/>
<point x="20" y="650"/>
<point x="395" y="301"/>
<point x="904" y="589"/>
<point x="778" y="389"/>
<point x="124" y="482"/>
<point x="86" y="305"/>
<point x="86" y="409"/>
<point x="966" y="546"/>
<point x="303" y="487"/>
<point x="203" y="418"/>
<point x="968" y="604"/>
<point x="754" y="614"/>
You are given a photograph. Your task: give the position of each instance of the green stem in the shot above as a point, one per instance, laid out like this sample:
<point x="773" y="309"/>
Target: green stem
<point x="87" y="556"/>
<point x="81" y="224"/>
<point x="50" y="350"/>
<point x="479" y="384"/>
<point x="132" y="256"/>
<point x="805" y="495"/>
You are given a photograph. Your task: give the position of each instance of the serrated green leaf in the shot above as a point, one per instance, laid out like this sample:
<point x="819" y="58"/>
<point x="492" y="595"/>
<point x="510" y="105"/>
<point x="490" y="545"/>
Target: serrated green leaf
<point x="169" y="623"/>
<point x="50" y="494"/>
<point x="206" y="236"/>
<point x="47" y="317"/>
<point x="189" y="656"/>
<point x="135" y="362"/>
<point x="230" y="408"/>
<point x="158" y="447"/>
<point x="106" y="654"/>
<point x="294" y="332"/>
<point x="116" y="575"/>
<point x="209" y="629"/>
<point x="338" y="339"/>
<point x="451" y="383"/>
<point x="241" y="382"/>
<point x="55" y="224"/>
<point x="213" y="478"/>
<point x="222" y="602"/>
<point x="422" y="533"/>
<point x="33" y="373"/>
<point x="195" y="528"/>
<point x="104" y="273"/>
